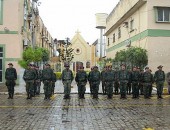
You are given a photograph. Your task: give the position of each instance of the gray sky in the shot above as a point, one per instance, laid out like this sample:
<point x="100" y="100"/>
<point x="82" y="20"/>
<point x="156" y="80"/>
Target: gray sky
<point x="64" y="17"/>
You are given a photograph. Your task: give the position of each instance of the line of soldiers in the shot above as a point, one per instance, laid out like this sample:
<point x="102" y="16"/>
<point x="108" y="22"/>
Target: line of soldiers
<point x="33" y="77"/>
<point x="110" y="79"/>
<point x="123" y="79"/>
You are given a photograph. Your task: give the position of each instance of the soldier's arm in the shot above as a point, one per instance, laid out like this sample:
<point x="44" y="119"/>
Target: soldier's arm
<point x="76" y="78"/>
<point x="6" y="77"/>
<point x="72" y="77"/>
<point x="15" y="74"/>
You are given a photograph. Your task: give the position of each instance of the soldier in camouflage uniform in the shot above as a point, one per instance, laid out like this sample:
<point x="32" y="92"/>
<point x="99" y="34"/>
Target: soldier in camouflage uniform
<point x="159" y="78"/>
<point x="47" y="78"/>
<point x="123" y="79"/>
<point x="53" y="82"/>
<point x="81" y="79"/>
<point x="95" y="81"/>
<point x="151" y="86"/>
<point x="91" y="89"/>
<point x="140" y="80"/>
<point x="116" y="83"/>
<point x="135" y="75"/>
<point x="29" y="77"/>
<point x="67" y="78"/>
<point x="147" y="79"/>
<point x="110" y="79"/>
<point x="103" y="74"/>
<point x="35" y="84"/>
<point x="129" y="86"/>
<point x="10" y="76"/>
<point x="38" y="80"/>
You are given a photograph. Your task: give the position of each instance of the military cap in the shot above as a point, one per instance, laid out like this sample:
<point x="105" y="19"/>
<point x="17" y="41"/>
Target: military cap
<point x="30" y="64"/>
<point x="66" y="65"/>
<point x="160" y="66"/>
<point x="95" y="67"/>
<point x="10" y="64"/>
<point x="146" y="68"/>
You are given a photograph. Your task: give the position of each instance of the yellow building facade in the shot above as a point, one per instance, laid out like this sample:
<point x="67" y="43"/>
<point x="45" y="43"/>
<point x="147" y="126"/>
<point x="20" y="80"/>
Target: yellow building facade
<point x="141" y="23"/>
<point x="16" y="25"/>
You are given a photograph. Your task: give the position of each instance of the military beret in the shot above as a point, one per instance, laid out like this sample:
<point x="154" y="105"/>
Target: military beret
<point x="160" y="66"/>
<point x="10" y="64"/>
<point x="30" y="64"/>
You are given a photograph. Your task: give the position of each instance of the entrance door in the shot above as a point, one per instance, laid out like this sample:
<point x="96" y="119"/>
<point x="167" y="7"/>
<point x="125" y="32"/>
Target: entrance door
<point x="1" y="59"/>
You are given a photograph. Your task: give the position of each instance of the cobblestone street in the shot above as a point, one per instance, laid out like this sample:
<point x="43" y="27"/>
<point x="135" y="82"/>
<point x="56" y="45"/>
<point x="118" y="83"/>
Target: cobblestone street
<point x="84" y="114"/>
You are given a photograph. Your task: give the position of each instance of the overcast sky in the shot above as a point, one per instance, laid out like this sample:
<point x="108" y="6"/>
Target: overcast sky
<point x="64" y="17"/>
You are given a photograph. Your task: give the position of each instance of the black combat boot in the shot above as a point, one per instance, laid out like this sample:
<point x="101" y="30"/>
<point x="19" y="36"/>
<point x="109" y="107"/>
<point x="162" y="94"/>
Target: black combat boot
<point x="83" y="96"/>
<point x="9" y="96"/>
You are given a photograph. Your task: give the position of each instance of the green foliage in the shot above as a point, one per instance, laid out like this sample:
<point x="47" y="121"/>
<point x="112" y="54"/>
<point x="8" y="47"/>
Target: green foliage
<point x="58" y="74"/>
<point x="23" y="63"/>
<point x="33" y="55"/>
<point x="45" y="54"/>
<point x="135" y="55"/>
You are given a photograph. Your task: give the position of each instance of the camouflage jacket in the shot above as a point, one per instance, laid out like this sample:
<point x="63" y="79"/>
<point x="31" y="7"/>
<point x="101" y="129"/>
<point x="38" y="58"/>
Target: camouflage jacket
<point x="135" y="76"/>
<point x="103" y="75"/>
<point x="81" y="76"/>
<point x="147" y="77"/>
<point x="110" y="76"/>
<point x="29" y="74"/>
<point x="47" y="74"/>
<point x="123" y="76"/>
<point x="94" y="76"/>
<point x="10" y="74"/>
<point x="159" y="76"/>
<point x="67" y="75"/>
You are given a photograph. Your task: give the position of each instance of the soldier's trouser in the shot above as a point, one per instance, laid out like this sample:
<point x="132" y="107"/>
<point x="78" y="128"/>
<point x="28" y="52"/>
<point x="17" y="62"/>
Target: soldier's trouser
<point x="30" y="87"/>
<point x="95" y="86"/>
<point x="67" y="87"/>
<point x="104" y="87"/>
<point x="129" y="88"/>
<point x="135" y="89"/>
<point x="52" y="87"/>
<point x="159" y="86"/>
<point x="38" y="84"/>
<point x="10" y="85"/>
<point x="35" y="88"/>
<point x="123" y="88"/>
<point x="109" y="86"/>
<point x="91" y="88"/>
<point x="47" y="88"/>
<point x="81" y="88"/>
<point x="116" y="87"/>
<point x="146" y="89"/>
<point x="150" y="90"/>
<point x="141" y="88"/>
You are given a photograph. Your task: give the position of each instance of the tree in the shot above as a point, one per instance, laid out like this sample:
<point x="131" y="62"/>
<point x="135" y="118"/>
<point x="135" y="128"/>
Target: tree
<point x="33" y="55"/>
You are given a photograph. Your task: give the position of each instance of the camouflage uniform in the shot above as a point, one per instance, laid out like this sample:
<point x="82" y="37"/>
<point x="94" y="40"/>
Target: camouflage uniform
<point x="81" y="79"/>
<point x="123" y="79"/>
<point x="135" y="75"/>
<point x="116" y="83"/>
<point x="90" y="83"/>
<point x="29" y="77"/>
<point x="95" y="81"/>
<point x="10" y="76"/>
<point x="47" y="78"/>
<point x="147" y="79"/>
<point x="140" y="82"/>
<point x="53" y="83"/>
<point x="67" y="78"/>
<point x="38" y="81"/>
<point x="129" y="86"/>
<point x="159" y="78"/>
<point x="109" y="79"/>
<point x="103" y="74"/>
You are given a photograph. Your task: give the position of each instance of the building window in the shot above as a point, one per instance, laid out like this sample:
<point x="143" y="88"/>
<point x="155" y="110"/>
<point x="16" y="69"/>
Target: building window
<point x="108" y="42"/>
<point x="87" y="64"/>
<point x="119" y="32"/>
<point x="113" y="37"/>
<point x="131" y="25"/>
<point x="163" y="14"/>
<point x="1" y="59"/>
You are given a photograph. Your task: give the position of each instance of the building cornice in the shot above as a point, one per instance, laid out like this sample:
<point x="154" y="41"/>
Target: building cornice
<point x="139" y="4"/>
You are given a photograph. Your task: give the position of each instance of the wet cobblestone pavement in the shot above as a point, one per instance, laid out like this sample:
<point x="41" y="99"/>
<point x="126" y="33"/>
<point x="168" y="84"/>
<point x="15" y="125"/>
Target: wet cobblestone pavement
<point x="84" y="114"/>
